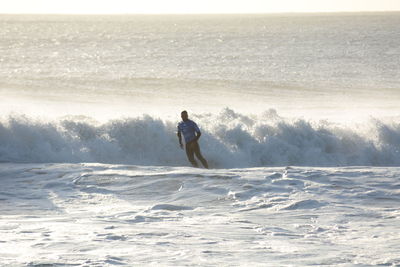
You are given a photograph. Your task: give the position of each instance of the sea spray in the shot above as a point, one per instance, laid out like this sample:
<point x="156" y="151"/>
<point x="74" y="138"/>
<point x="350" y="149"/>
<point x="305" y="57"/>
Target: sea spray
<point x="230" y="139"/>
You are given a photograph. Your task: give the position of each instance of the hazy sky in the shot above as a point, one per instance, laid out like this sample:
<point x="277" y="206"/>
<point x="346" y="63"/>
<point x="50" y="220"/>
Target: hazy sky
<point x="192" y="6"/>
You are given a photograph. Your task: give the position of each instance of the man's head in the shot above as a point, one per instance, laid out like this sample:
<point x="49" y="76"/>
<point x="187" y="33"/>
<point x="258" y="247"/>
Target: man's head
<point x="184" y="115"/>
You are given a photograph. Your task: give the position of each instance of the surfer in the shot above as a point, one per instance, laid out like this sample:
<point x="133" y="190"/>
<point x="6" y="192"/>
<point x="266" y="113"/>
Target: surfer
<point x="191" y="133"/>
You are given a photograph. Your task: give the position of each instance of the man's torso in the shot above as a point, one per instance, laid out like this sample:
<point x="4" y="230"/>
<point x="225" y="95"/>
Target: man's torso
<point x="188" y="129"/>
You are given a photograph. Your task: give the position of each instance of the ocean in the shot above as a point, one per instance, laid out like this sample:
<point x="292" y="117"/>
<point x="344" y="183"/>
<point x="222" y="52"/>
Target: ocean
<point x="300" y="125"/>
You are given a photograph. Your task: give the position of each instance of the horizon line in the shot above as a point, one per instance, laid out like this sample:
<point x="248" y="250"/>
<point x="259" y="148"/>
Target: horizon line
<point x="212" y="13"/>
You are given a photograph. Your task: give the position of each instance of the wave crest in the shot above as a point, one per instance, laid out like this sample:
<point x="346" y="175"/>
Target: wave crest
<point x="229" y="140"/>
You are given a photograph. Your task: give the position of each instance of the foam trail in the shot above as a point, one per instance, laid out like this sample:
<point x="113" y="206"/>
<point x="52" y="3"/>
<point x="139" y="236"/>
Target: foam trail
<point x="69" y="214"/>
<point x="229" y="139"/>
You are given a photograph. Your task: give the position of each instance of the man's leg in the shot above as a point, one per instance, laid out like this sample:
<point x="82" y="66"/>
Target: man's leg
<point x="196" y="149"/>
<point x="190" y="154"/>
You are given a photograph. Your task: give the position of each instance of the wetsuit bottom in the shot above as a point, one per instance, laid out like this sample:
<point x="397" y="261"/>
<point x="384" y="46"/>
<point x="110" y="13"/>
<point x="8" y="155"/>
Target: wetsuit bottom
<point x="192" y="149"/>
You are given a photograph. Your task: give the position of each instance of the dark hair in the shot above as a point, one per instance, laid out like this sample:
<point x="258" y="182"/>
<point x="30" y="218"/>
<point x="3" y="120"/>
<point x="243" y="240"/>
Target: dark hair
<point x="183" y="112"/>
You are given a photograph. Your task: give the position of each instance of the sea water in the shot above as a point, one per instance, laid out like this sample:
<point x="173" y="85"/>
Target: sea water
<point x="300" y="124"/>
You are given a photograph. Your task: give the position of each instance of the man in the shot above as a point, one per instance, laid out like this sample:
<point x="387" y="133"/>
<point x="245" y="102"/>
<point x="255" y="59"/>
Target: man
<point x="191" y="133"/>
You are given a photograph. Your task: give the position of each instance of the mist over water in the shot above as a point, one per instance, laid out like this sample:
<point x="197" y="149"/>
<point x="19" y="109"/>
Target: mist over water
<point x="336" y="67"/>
<point x="229" y="140"/>
<point x="267" y="90"/>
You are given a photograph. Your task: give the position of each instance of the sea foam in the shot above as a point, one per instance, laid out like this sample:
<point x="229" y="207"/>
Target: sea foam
<point x="229" y="139"/>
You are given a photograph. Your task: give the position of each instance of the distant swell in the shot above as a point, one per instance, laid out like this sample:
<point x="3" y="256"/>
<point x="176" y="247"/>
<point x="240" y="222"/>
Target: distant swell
<point x="229" y="140"/>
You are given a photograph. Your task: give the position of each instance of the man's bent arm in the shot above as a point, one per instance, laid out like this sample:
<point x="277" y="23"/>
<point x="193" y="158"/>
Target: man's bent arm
<point x="198" y="134"/>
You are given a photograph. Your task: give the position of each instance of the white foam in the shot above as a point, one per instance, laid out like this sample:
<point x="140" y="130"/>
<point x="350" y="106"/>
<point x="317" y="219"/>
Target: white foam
<point x="229" y="139"/>
<point x="100" y="214"/>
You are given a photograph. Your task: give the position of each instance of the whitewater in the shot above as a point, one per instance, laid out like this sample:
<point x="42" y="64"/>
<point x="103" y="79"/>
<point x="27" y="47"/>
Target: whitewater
<point x="299" y="116"/>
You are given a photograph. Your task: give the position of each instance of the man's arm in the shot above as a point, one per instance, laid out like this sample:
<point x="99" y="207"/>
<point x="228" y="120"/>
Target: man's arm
<point x="198" y="134"/>
<point x="180" y="138"/>
<point x="197" y="130"/>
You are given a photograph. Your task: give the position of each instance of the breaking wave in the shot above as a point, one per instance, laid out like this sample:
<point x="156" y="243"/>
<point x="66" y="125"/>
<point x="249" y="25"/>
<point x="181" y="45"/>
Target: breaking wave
<point x="229" y="140"/>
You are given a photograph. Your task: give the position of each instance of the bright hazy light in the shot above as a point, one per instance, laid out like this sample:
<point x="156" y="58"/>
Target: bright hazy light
<point x="192" y="6"/>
